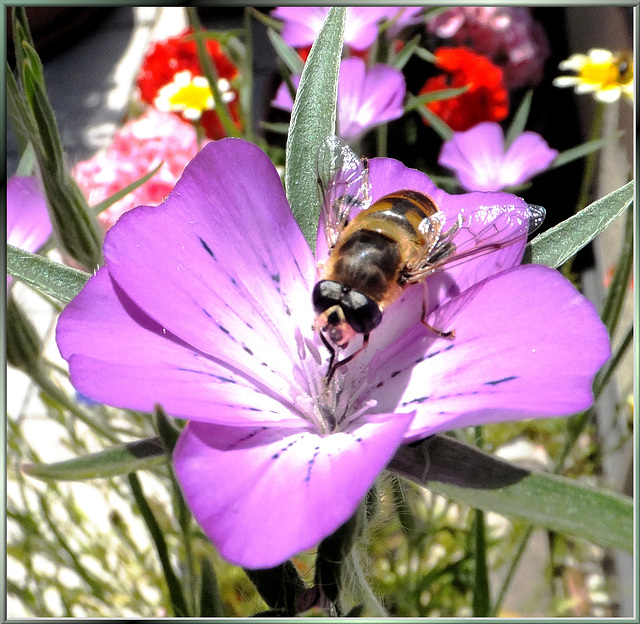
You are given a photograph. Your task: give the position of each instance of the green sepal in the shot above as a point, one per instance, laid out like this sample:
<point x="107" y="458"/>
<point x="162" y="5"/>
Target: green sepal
<point x="313" y="118"/>
<point x="555" y="246"/>
<point x="117" y="460"/>
<point x="44" y="275"/>
<point x="332" y="552"/>
<point x="468" y="475"/>
<point x="279" y="586"/>
<point x="24" y="346"/>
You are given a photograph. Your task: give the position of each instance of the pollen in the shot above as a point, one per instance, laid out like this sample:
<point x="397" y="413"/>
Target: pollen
<point x="191" y="95"/>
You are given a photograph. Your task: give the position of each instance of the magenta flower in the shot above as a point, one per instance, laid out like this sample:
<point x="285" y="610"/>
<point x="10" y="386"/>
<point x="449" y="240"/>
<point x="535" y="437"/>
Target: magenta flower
<point x="204" y="306"/>
<point x="302" y="24"/>
<point x="367" y="97"/>
<point x="481" y="163"/>
<point x="28" y="224"/>
<point x="138" y="147"/>
<point x="509" y="36"/>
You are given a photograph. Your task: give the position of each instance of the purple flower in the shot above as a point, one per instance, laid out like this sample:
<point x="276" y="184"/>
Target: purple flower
<point x="508" y="35"/>
<point x="204" y="306"/>
<point x="28" y="224"/>
<point x="481" y="163"/>
<point x="302" y="24"/>
<point x="366" y="97"/>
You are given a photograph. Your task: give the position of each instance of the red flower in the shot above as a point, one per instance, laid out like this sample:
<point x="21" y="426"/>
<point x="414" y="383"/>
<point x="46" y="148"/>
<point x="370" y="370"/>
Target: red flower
<point x="176" y="54"/>
<point x="485" y="100"/>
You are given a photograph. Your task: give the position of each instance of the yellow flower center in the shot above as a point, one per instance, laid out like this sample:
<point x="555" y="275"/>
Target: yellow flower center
<point x="191" y="95"/>
<point x="195" y="96"/>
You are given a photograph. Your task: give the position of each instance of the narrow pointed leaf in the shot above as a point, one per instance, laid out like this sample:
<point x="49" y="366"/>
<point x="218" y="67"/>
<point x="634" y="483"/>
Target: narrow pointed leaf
<point x="117" y="460"/>
<point x="418" y="101"/>
<point x="584" y="149"/>
<point x="555" y="246"/>
<point x="313" y="118"/>
<point x="286" y="53"/>
<point x="519" y="121"/>
<point x="471" y="476"/>
<point x="51" y="278"/>
<point x="104" y="204"/>
<point x="210" y="599"/>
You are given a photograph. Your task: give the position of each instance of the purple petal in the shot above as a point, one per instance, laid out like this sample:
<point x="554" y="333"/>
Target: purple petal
<point x="527" y="345"/>
<point x="477" y="157"/>
<point x="28" y="224"/>
<point x="367" y="98"/>
<point x="222" y="264"/>
<point x="528" y="155"/>
<point x="263" y="495"/>
<point x="119" y="356"/>
<point x="361" y="26"/>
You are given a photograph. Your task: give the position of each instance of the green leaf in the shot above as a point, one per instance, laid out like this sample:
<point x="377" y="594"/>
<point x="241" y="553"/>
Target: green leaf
<point x="482" y="481"/>
<point x="584" y="149"/>
<point x="104" y="204"/>
<point x="313" y="118"/>
<point x="51" y="278"/>
<point x="425" y="55"/>
<point x="419" y="101"/>
<point x="440" y="127"/>
<point x="286" y="53"/>
<point x="210" y="600"/>
<point x="114" y="461"/>
<point x="519" y="120"/>
<point x="406" y="53"/>
<point x="555" y="246"/>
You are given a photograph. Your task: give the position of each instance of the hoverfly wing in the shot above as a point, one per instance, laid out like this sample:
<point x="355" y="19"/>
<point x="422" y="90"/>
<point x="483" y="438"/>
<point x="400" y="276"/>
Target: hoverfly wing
<point x="343" y="186"/>
<point x="487" y="229"/>
<point x="474" y="234"/>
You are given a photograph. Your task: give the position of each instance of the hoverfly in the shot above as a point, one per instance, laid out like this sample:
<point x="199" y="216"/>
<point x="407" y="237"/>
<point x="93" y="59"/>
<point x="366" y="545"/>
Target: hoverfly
<point x="377" y="250"/>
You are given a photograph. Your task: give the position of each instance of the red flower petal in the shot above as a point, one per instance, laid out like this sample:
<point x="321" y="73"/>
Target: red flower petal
<point x="486" y="100"/>
<point x="175" y="54"/>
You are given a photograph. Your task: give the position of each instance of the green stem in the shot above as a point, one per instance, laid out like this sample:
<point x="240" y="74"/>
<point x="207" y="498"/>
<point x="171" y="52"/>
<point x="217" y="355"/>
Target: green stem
<point x="587" y="177"/>
<point x="590" y="164"/>
<point x="247" y="76"/>
<point x="524" y="540"/>
<point x="620" y="282"/>
<point x="382" y="133"/>
<point x="481" y="593"/>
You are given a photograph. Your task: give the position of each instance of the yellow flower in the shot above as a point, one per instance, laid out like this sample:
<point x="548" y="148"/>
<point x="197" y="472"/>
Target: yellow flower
<point x="605" y="74"/>
<point x="190" y="95"/>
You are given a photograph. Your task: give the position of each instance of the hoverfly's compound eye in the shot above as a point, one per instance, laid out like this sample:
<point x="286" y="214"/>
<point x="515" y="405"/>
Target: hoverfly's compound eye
<point x="326" y="294"/>
<point x="361" y="312"/>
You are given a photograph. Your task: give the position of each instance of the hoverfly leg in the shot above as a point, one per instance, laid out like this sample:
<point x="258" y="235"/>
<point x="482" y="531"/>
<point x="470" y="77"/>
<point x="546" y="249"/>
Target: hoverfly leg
<point x="450" y="335"/>
<point x="334" y="367"/>
<point x="331" y="358"/>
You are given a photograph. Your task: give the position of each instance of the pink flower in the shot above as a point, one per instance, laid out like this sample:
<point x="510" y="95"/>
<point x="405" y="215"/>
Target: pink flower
<point x="204" y="305"/>
<point x="479" y="158"/>
<point x="367" y="97"/>
<point x="137" y="148"/>
<point x="508" y="35"/>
